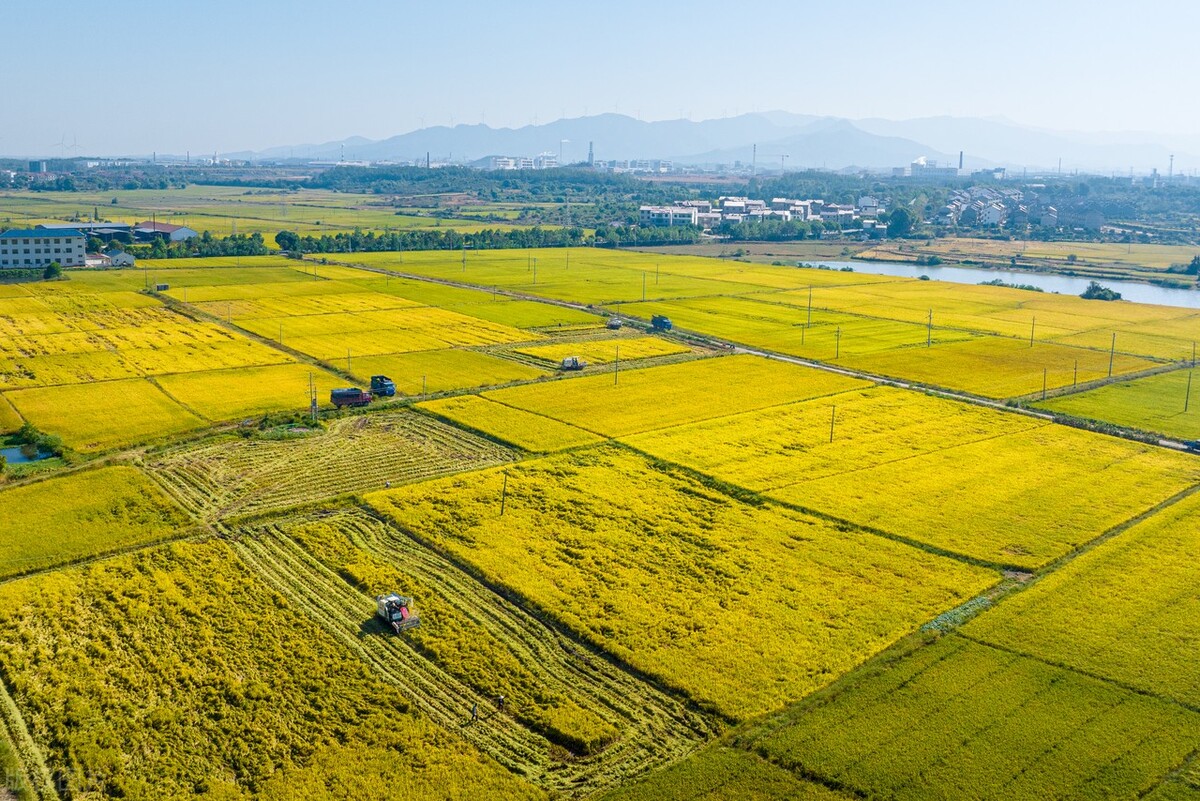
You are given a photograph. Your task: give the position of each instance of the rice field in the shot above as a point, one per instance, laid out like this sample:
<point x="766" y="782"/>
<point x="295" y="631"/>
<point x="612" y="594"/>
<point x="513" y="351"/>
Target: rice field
<point x="957" y="719"/>
<point x="426" y="372"/>
<point x="525" y="430"/>
<point x="83" y="514"/>
<point x="603" y="351"/>
<point x="1049" y="490"/>
<point x="1110" y="609"/>
<point x="997" y="367"/>
<point x="229" y="394"/>
<point x="243" y="696"/>
<point x="100" y="416"/>
<point x="658" y="397"/>
<point x="236" y="477"/>
<point x="682" y="582"/>
<point x="1160" y="403"/>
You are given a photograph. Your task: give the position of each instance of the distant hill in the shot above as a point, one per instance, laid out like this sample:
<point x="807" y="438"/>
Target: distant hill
<point x="808" y="141"/>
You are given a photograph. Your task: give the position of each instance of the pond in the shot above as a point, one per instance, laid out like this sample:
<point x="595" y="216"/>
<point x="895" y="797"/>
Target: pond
<point x="23" y="454"/>
<point x="1050" y="282"/>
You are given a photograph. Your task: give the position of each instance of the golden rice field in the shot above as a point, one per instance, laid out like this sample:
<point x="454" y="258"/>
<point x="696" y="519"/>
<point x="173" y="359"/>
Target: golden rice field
<point x="658" y="397"/>
<point x="83" y="514"/>
<point x="1161" y="403"/>
<point x="232" y="393"/>
<point x="442" y="370"/>
<point x="839" y="435"/>
<point x="243" y="696"/>
<point x="9" y="419"/>
<point x="526" y="430"/>
<point x="998" y="368"/>
<point x="956" y="719"/>
<point x="1049" y="490"/>
<point x="1126" y="610"/>
<point x="604" y="351"/>
<point x="721" y="578"/>
<point x="687" y="584"/>
<point x="912" y="465"/>
<point x="93" y="417"/>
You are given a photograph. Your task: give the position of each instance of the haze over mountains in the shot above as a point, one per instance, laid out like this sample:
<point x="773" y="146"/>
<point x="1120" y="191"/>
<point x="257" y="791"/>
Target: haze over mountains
<point x="792" y="140"/>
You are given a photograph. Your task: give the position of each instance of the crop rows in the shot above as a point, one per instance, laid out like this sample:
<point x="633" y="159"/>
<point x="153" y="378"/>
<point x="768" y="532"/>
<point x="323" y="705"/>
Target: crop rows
<point x="1127" y="610"/>
<point x="603" y="351"/>
<point x="653" y="727"/>
<point x="658" y="397"/>
<point x="435" y="667"/>
<point x="960" y="720"/>
<point x="252" y="476"/>
<point x="174" y="672"/>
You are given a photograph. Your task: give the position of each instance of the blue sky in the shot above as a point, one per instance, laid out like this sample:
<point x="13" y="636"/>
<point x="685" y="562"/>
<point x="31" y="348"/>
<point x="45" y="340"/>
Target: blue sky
<point x="227" y="76"/>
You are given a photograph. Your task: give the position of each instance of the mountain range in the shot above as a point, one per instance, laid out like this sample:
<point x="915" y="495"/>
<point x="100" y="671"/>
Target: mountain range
<point x="773" y="140"/>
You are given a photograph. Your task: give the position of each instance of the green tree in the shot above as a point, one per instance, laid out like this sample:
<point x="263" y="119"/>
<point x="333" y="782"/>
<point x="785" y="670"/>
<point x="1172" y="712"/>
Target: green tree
<point x="53" y="270"/>
<point x="900" y="223"/>
<point x="287" y="240"/>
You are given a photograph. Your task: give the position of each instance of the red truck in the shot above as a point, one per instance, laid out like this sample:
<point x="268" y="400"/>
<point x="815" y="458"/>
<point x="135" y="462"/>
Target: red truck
<point x="352" y="396"/>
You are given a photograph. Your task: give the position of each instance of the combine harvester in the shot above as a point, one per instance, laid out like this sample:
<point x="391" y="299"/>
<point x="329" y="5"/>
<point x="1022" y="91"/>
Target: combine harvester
<point x="396" y="611"/>
<point x="572" y="363"/>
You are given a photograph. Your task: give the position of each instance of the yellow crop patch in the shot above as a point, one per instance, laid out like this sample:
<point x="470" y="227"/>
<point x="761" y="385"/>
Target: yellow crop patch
<point x="82" y="514"/>
<point x="9" y="419"/>
<point x="657" y="397"/>
<point x="229" y="394"/>
<point x="100" y="416"/>
<point x="604" y="351"/>
<point x="683" y="582"/>
<point x="1020" y="499"/>
<point x="524" y="429"/>
<point x="841" y="435"/>
<point x="1095" y="613"/>
<point x="996" y="367"/>
<point x="441" y="370"/>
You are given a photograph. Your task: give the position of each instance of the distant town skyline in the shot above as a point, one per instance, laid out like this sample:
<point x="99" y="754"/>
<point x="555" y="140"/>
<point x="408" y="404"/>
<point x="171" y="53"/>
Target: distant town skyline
<point x="234" y="76"/>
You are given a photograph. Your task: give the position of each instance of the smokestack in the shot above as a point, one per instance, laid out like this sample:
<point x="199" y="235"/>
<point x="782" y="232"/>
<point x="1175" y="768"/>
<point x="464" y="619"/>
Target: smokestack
<point x="591" y="156"/>
<point x="960" y="159"/>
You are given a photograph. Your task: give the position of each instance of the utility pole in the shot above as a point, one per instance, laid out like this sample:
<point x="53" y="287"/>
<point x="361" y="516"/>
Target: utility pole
<point x="929" y="330"/>
<point x="1187" y="398"/>
<point x="1111" y="353"/>
<point x="423" y="387"/>
<point x="1075" y="380"/>
<point x="503" y="493"/>
<point x="1044" y="383"/>
<point x="312" y="398"/>
<point x="617" y="365"/>
<point x="643" y="286"/>
<point x="832" y="420"/>
<point x="809" y="323"/>
<point x="838" y="346"/>
<point x="1032" y="325"/>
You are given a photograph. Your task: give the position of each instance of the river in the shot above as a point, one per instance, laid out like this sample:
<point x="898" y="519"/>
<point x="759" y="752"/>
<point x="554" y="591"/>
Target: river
<point x="1050" y="282"/>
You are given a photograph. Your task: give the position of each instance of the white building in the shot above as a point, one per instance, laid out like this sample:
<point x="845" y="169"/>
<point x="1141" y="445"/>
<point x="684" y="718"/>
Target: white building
<point x="149" y="230"/>
<point x="34" y="248"/>
<point x="667" y="216"/>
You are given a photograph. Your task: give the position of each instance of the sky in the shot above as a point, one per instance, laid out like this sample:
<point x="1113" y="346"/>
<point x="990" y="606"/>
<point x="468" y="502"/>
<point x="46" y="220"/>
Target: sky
<point x="229" y="76"/>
